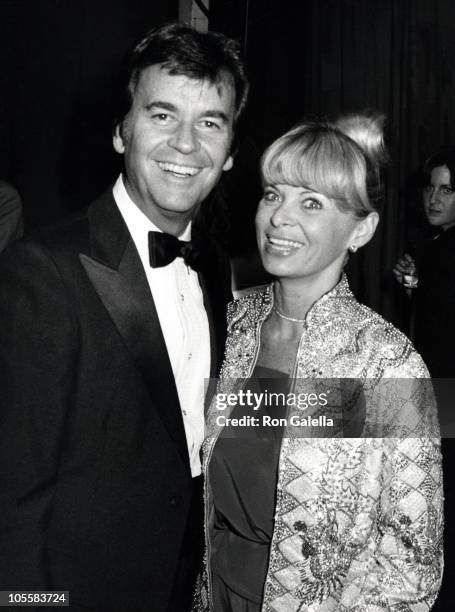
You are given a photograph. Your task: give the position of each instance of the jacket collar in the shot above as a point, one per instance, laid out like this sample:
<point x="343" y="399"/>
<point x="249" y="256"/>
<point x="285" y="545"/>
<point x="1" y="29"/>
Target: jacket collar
<point x="115" y="270"/>
<point x="109" y="235"/>
<point x="327" y="304"/>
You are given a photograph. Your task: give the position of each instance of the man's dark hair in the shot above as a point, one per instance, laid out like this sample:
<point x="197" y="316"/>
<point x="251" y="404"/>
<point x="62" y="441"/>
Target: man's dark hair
<point x="443" y="157"/>
<point x="181" y="50"/>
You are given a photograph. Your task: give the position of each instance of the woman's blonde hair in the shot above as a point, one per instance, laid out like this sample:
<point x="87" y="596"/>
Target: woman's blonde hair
<point x="341" y="159"/>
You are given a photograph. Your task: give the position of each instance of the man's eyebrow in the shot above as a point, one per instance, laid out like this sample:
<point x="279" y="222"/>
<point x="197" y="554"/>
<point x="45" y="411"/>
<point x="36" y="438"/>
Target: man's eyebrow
<point x="216" y="114"/>
<point x="161" y="104"/>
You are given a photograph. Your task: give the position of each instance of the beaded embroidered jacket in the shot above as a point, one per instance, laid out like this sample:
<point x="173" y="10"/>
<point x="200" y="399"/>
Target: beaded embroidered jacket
<point x="358" y="521"/>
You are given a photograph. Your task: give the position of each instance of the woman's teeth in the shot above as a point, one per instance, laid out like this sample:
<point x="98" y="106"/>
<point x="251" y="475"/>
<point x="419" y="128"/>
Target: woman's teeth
<point x="284" y="245"/>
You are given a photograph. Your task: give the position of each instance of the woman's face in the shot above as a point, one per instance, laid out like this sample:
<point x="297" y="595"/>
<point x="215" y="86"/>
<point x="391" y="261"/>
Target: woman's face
<point x="439" y="199"/>
<point x="301" y="233"/>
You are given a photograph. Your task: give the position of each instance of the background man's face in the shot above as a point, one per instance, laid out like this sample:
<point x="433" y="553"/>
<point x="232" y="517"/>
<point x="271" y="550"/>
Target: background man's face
<point x="176" y="140"/>
<point x="439" y="199"/>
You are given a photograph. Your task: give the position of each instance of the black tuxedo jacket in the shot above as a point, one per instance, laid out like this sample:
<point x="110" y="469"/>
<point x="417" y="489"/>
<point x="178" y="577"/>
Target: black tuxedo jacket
<point x="95" y="478"/>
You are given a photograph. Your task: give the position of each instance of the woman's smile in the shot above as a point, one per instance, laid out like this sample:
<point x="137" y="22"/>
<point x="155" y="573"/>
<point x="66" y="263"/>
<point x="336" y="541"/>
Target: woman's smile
<point x="281" y="246"/>
<point x="301" y="232"/>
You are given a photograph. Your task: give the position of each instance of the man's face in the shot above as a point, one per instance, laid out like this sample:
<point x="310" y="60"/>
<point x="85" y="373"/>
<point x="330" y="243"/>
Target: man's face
<point x="439" y="199"/>
<point x="176" y="140"/>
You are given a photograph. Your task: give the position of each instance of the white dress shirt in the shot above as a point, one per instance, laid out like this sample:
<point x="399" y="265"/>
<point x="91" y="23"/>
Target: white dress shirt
<point x="179" y="303"/>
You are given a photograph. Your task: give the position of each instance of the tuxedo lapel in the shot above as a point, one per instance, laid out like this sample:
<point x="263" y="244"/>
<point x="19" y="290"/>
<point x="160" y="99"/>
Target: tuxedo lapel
<point x="214" y="278"/>
<point x="116" y="273"/>
<point x="212" y="325"/>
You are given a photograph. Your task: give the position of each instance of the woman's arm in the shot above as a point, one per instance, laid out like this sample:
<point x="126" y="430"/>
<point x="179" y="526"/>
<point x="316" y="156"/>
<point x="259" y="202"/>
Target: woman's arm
<point x="401" y="567"/>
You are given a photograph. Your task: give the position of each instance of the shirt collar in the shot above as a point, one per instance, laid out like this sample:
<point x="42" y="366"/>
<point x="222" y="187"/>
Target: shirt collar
<point x="135" y="219"/>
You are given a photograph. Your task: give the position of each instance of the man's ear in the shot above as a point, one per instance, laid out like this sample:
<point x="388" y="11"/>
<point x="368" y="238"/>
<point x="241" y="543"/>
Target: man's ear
<point x="228" y="163"/>
<point x="117" y="139"/>
<point x="365" y="230"/>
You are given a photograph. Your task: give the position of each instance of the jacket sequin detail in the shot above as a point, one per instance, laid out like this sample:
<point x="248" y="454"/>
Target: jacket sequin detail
<point x="358" y="521"/>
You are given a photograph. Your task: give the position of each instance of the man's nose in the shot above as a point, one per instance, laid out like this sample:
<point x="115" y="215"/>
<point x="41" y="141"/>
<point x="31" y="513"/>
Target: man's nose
<point x="184" y="139"/>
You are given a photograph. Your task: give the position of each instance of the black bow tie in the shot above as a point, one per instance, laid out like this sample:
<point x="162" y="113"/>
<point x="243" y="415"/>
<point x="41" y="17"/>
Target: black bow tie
<point x="164" y="248"/>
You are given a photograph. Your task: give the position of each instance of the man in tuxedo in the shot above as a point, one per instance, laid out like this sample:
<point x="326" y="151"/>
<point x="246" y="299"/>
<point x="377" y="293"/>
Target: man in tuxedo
<point x="109" y="323"/>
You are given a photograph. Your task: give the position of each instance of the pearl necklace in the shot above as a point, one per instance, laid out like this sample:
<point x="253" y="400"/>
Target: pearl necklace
<point x="292" y="319"/>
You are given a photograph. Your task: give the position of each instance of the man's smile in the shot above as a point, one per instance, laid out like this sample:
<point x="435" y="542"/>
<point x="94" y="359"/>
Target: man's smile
<point x="177" y="169"/>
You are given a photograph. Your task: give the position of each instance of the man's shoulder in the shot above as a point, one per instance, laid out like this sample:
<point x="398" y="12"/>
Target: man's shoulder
<point x="69" y="234"/>
<point x="63" y="231"/>
<point x="44" y="253"/>
<point x="61" y="238"/>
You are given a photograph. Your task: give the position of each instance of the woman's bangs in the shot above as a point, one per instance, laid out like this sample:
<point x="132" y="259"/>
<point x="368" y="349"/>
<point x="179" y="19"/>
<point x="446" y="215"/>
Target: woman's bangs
<point x="297" y="162"/>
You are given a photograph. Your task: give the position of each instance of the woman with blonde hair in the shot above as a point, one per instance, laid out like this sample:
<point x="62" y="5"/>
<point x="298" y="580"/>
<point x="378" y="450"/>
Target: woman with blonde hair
<point x="344" y="514"/>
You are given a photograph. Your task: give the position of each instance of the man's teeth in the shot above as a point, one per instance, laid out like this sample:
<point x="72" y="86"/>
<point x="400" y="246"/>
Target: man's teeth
<point x="281" y="242"/>
<point x="175" y="169"/>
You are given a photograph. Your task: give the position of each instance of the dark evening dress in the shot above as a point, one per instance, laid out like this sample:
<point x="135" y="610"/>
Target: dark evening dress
<point x="243" y="473"/>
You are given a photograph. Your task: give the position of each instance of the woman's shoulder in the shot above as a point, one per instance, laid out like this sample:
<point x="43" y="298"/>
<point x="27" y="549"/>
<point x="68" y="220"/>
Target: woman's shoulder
<point x="250" y="292"/>
<point x="253" y="300"/>
<point x="389" y="344"/>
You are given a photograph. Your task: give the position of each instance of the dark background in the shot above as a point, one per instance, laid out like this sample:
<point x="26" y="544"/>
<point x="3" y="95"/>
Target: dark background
<point x="317" y="58"/>
<point x="59" y="66"/>
<point x="312" y="58"/>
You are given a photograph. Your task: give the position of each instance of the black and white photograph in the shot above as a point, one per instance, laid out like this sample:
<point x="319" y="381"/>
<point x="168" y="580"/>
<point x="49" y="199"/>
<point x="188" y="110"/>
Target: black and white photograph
<point x="227" y="305"/>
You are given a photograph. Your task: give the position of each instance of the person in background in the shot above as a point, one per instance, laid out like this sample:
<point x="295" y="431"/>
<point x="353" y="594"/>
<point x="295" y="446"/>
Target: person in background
<point x="432" y="280"/>
<point x="11" y="221"/>
<point x="109" y="323"/>
<point x="432" y="289"/>
<point x="309" y="520"/>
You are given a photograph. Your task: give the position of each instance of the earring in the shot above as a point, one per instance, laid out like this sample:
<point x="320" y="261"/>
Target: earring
<point x="353" y="248"/>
